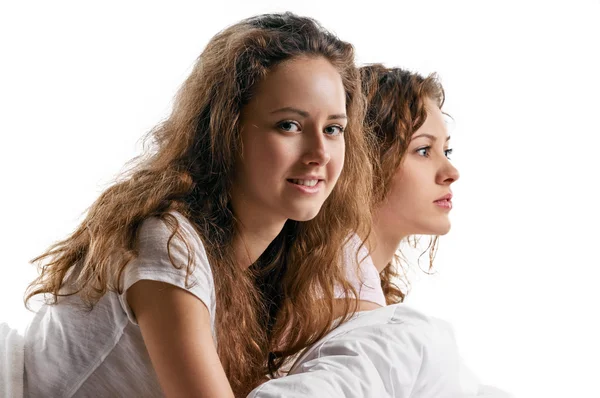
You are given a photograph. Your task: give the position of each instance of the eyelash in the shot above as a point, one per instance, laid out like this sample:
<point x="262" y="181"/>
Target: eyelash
<point x="280" y="124"/>
<point x="337" y="126"/>
<point x="447" y="152"/>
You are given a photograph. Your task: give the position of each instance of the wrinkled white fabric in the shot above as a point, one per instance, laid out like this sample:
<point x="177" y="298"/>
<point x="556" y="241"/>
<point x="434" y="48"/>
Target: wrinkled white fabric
<point x="392" y="351"/>
<point x="11" y="362"/>
<point x="70" y="351"/>
<point x="361" y="273"/>
<point x="73" y="352"/>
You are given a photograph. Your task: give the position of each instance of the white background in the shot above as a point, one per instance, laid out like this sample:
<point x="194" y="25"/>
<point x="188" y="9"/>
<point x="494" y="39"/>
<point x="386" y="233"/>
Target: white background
<point x="518" y="274"/>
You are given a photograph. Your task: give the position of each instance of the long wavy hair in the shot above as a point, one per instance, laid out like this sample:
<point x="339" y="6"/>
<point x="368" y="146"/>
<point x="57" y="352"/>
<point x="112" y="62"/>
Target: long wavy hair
<point x="281" y="304"/>
<point x="395" y="110"/>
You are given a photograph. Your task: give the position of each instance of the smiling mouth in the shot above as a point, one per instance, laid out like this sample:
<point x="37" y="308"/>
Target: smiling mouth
<point x="307" y="183"/>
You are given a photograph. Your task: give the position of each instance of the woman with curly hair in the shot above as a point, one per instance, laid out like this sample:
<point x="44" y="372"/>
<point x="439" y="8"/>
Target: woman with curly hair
<point x="413" y="173"/>
<point x="218" y="255"/>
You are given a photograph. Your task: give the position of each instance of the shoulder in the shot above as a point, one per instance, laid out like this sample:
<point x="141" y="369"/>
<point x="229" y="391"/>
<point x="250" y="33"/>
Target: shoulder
<point x="420" y="348"/>
<point x="361" y="272"/>
<point x="170" y="250"/>
<point x="168" y="228"/>
<point x="398" y="329"/>
<point x="170" y="239"/>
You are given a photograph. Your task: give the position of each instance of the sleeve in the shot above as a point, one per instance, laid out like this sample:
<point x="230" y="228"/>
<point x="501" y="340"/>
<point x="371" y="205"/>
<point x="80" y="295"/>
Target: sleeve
<point x="164" y="261"/>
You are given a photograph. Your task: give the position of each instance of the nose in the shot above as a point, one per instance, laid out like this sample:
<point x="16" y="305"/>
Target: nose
<point x="447" y="173"/>
<point x="316" y="152"/>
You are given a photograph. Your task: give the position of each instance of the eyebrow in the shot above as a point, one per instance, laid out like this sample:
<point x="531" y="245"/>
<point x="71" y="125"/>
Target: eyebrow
<point x="431" y="137"/>
<point x="306" y="114"/>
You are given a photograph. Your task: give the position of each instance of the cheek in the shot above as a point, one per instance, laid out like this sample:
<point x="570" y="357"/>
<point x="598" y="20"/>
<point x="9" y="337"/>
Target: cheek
<point x="398" y="197"/>
<point x="338" y="156"/>
<point x="406" y="192"/>
<point x="278" y="155"/>
<point x="265" y="157"/>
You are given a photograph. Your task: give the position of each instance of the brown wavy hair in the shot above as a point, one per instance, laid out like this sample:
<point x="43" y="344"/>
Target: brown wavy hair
<point x="274" y="308"/>
<point x="395" y="110"/>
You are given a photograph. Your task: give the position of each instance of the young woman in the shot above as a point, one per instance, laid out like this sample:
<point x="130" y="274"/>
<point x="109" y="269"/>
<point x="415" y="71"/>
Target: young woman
<point x="412" y="167"/>
<point x="215" y="250"/>
<point x="393" y="351"/>
<point x="412" y="174"/>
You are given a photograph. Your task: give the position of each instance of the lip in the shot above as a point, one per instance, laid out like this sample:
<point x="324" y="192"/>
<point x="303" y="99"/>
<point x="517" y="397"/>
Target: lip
<point x="447" y="197"/>
<point x="307" y="177"/>
<point x="445" y="202"/>
<point x="306" y="189"/>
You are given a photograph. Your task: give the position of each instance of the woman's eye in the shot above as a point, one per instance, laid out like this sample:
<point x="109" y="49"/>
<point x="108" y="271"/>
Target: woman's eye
<point x="289" y="126"/>
<point x="448" y="153"/>
<point x="423" y="151"/>
<point x="334" y="130"/>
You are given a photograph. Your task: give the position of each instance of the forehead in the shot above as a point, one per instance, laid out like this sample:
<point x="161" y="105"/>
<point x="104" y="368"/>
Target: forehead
<point x="435" y="124"/>
<point x="301" y="67"/>
<point x="301" y="79"/>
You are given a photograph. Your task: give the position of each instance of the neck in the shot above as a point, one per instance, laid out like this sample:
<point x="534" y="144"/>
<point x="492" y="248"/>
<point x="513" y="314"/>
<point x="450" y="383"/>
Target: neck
<point x="384" y="240"/>
<point x="252" y="239"/>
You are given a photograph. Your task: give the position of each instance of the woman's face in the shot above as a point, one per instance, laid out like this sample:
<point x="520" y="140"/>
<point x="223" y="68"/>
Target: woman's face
<point x="293" y="142"/>
<point x="419" y="199"/>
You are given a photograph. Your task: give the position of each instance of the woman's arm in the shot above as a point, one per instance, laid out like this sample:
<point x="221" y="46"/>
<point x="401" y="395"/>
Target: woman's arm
<point x="176" y="329"/>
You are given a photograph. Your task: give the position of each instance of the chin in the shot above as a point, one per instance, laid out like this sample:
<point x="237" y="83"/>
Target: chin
<point x="304" y="214"/>
<point x="442" y="229"/>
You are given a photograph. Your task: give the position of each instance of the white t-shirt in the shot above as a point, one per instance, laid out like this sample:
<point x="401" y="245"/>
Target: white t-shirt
<point x="70" y="352"/>
<point x="390" y="352"/>
<point x="361" y="272"/>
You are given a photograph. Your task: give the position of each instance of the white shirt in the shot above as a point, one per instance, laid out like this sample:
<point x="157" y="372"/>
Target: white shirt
<point x="70" y="352"/>
<point x="390" y="352"/>
<point x="361" y="272"/>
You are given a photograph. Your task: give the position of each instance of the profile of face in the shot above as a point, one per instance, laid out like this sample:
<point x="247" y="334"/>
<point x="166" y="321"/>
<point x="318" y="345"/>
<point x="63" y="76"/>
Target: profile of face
<point x="293" y="142"/>
<point x="420" y="198"/>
